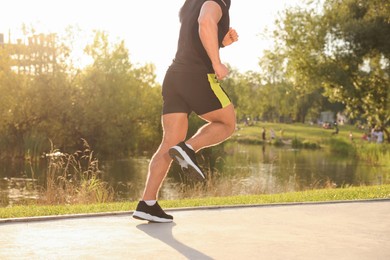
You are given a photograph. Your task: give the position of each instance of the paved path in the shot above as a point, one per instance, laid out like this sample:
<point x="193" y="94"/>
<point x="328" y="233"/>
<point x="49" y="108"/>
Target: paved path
<point x="350" y="230"/>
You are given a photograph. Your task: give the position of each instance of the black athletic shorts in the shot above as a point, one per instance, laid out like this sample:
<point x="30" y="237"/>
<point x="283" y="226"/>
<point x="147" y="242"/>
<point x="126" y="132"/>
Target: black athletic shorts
<point x="184" y="92"/>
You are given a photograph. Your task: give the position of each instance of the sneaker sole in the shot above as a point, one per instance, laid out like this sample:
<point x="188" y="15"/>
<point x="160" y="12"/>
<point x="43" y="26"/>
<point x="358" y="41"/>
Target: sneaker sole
<point x="145" y="216"/>
<point x="177" y="152"/>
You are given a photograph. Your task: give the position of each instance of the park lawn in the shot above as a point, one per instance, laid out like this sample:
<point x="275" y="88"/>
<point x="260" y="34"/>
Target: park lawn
<point x="311" y="133"/>
<point x="321" y="195"/>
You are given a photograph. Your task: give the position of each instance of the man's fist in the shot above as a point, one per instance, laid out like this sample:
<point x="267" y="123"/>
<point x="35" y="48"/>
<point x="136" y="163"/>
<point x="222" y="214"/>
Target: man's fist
<point x="230" y="37"/>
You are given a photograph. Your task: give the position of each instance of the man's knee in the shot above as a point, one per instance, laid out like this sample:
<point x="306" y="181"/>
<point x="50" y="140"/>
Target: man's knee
<point x="225" y="116"/>
<point x="230" y="120"/>
<point x="231" y="126"/>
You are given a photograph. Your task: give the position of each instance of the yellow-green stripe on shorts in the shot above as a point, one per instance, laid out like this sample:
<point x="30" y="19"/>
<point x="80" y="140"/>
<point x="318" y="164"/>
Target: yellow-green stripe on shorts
<point x="218" y="91"/>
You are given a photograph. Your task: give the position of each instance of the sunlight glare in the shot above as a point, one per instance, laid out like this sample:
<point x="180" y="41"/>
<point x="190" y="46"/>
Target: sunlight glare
<point x="148" y="27"/>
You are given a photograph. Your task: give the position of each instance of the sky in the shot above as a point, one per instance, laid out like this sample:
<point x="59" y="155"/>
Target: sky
<point x="148" y="27"/>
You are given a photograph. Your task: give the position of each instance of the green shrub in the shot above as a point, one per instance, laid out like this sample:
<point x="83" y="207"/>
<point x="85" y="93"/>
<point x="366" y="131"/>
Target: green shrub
<point x="296" y="143"/>
<point x="310" y="145"/>
<point x="341" y="147"/>
<point x="277" y="142"/>
<point x="377" y="154"/>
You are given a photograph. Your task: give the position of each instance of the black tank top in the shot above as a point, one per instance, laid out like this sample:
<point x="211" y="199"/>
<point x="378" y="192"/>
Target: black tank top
<point x="191" y="55"/>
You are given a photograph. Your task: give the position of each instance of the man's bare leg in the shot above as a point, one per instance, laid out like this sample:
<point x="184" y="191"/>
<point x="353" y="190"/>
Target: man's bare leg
<point x="221" y="125"/>
<point x="175" y="127"/>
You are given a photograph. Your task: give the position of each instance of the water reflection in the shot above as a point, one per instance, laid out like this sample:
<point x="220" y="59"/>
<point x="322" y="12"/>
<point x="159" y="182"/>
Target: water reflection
<point x="17" y="190"/>
<point x="232" y="169"/>
<point x="291" y="170"/>
<point x="127" y="177"/>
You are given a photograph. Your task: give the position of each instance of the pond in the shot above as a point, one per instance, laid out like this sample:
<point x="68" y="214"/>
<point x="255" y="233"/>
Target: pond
<point x="232" y="169"/>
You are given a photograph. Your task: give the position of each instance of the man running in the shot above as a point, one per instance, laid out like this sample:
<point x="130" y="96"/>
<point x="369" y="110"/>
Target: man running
<point x="191" y="84"/>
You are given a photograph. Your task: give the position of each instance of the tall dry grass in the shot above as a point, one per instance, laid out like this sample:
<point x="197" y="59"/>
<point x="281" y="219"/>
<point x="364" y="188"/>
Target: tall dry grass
<point x="74" y="179"/>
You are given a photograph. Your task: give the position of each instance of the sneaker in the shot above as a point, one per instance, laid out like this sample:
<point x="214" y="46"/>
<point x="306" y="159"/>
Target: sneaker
<point x="151" y="213"/>
<point x="185" y="157"/>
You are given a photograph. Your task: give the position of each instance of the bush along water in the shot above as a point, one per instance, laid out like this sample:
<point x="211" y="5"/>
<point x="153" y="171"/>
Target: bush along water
<point x="296" y="143"/>
<point x="341" y="147"/>
<point x="373" y="153"/>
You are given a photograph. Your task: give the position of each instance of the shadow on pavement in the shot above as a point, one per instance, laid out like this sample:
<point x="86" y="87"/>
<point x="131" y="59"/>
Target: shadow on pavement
<point x="163" y="232"/>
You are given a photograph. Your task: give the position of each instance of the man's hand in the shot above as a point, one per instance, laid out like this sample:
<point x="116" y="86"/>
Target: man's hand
<point x="230" y="37"/>
<point x="221" y="71"/>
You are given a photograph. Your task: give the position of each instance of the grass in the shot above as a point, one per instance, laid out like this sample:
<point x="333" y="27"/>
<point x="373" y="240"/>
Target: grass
<point x="313" y="136"/>
<point x="376" y="155"/>
<point x="350" y="193"/>
<point x="303" y="132"/>
<point x="74" y="178"/>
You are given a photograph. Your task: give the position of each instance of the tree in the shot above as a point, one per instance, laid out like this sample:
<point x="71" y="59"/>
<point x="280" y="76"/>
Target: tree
<point x="117" y="103"/>
<point x="111" y="104"/>
<point x="290" y="68"/>
<point x="32" y="85"/>
<point x="340" y="53"/>
<point x="356" y="69"/>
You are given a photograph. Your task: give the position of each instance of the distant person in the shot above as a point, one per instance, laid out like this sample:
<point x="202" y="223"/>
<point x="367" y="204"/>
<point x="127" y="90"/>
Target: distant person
<point x="336" y="130"/>
<point x="350" y="136"/>
<point x="281" y="133"/>
<point x="263" y="134"/>
<point x="273" y="136"/>
<point x="373" y="135"/>
<point x="379" y="136"/>
<point x="191" y="84"/>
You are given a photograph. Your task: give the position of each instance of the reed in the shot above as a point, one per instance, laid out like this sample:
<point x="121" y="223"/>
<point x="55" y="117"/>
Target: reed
<point x="375" y="154"/>
<point x="218" y="185"/>
<point x="74" y="179"/>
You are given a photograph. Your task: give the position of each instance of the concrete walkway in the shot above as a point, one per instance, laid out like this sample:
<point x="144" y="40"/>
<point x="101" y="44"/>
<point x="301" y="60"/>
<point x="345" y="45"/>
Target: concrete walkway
<point x="346" y="230"/>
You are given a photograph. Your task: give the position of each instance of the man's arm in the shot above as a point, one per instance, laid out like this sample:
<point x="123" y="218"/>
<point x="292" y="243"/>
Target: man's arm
<point x="208" y="19"/>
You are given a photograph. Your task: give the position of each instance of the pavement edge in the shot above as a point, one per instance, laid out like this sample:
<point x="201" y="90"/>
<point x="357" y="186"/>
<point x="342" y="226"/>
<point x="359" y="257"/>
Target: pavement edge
<point x="124" y="213"/>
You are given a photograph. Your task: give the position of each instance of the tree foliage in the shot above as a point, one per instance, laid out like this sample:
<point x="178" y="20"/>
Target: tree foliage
<point x="356" y="69"/>
<point x="112" y="104"/>
<point x="334" y="59"/>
